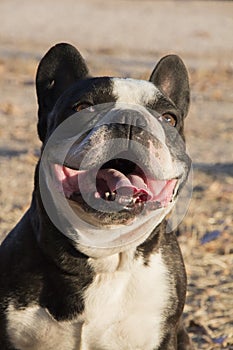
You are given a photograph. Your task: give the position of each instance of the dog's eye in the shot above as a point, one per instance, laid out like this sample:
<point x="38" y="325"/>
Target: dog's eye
<point x="171" y="119"/>
<point x="80" y="106"/>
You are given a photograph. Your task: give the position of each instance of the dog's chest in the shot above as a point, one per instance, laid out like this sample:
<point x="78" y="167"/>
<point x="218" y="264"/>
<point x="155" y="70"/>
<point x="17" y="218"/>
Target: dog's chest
<point x="124" y="309"/>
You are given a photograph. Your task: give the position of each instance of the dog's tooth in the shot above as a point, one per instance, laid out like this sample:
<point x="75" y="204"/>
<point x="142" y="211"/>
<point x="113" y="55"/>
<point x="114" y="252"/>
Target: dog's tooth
<point x="107" y="195"/>
<point x="124" y="200"/>
<point x="113" y="196"/>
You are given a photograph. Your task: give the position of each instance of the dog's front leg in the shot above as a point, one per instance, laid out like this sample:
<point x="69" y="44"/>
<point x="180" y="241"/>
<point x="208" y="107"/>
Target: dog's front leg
<point x="169" y="342"/>
<point x="183" y="340"/>
<point x="177" y="340"/>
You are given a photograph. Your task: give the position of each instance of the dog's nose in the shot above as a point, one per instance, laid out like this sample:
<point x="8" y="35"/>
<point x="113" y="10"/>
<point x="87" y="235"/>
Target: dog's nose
<point x="126" y="114"/>
<point x="135" y="118"/>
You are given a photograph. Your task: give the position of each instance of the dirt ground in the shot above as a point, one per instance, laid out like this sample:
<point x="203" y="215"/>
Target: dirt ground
<point x="126" y="38"/>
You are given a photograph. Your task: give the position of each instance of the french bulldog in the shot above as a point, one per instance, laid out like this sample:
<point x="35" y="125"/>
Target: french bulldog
<point x="92" y="264"/>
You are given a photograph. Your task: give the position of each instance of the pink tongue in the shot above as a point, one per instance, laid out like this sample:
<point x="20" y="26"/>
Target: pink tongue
<point x="111" y="180"/>
<point x="125" y="185"/>
<point x="162" y="190"/>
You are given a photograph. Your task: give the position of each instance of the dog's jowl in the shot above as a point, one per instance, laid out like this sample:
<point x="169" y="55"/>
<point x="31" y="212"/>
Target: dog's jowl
<point x="92" y="265"/>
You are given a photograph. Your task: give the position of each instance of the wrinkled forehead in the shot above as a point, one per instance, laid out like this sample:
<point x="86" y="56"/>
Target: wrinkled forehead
<point x="135" y="91"/>
<point x="106" y="89"/>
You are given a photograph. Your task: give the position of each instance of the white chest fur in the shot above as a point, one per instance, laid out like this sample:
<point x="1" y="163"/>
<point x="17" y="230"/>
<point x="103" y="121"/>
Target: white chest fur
<point x="124" y="309"/>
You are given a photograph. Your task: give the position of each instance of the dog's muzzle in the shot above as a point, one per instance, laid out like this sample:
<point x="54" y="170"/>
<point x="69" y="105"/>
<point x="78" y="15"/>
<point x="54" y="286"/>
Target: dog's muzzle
<point x="111" y="173"/>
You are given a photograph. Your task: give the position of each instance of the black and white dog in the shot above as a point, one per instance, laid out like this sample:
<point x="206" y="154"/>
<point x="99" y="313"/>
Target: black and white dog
<point x="66" y="288"/>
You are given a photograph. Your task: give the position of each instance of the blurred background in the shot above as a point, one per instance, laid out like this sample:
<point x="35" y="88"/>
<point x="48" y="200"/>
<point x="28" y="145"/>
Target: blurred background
<point x="126" y="38"/>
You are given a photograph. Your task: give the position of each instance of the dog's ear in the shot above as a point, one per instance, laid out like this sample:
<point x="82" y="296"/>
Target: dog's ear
<point x="171" y="77"/>
<point x="61" y="66"/>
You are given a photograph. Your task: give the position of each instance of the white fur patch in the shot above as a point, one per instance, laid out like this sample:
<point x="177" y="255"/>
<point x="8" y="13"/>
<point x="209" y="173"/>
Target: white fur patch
<point x="124" y="309"/>
<point x="135" y="91"/>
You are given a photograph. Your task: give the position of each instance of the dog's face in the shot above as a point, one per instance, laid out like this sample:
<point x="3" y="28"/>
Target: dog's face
<point x="123" y="153"/>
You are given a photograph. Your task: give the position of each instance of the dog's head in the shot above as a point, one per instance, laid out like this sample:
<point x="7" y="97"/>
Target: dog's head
<point x="113" y="156"/>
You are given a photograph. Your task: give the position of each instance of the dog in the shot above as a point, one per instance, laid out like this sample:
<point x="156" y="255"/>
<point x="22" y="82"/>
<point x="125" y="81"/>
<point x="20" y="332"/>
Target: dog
<point x="109" y="279"/>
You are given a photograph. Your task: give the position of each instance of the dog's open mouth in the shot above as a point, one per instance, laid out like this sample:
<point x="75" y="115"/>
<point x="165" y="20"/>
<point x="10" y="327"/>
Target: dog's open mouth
<point x="118" y="181"/>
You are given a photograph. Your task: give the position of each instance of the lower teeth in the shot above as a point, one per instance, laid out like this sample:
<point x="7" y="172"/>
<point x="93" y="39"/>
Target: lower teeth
<point x="122" y="200"/>
<point x="125" y="200"/>
<point x="110" y="196"/>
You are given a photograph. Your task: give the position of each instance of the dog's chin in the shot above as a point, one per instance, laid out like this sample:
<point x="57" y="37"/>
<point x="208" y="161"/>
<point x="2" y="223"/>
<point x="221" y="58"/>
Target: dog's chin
<point x="103" y="218"/>
<point x="114" y="195"/>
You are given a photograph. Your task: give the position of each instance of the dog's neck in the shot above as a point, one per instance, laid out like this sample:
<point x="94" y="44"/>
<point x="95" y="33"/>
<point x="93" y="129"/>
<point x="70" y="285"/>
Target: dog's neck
<point x="50" y="240"/>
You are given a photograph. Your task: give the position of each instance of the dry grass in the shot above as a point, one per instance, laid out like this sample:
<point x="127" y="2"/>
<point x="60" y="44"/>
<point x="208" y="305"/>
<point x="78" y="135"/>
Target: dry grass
<point x="208" y="312"/>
